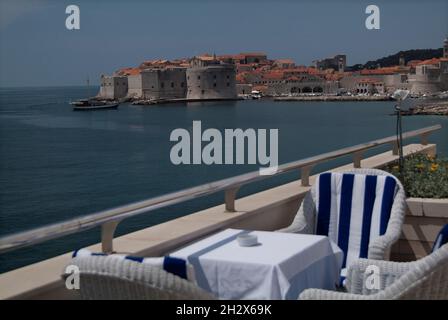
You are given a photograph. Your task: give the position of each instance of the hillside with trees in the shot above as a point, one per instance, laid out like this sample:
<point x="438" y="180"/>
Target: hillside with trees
<point x="393" y="60"/>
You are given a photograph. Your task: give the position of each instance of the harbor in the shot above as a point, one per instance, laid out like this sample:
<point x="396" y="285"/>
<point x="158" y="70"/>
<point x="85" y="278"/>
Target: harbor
<point x="335" y="98"/>
<point x="212" y="77"/>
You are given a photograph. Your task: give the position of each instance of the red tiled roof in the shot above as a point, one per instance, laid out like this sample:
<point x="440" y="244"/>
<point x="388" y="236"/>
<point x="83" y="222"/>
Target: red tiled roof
<point x="129" y="71"/>
<point x="334" y="76"/>
<point x="285" y="61"/>
<point x="261" y="88"/>
<point x="314" y="71"/>
<point x="413" y="63"/>
<point x="241" y="77"/>
<point x="231" y="56"/>
<point x="205" y="58"/>
<point x="429" y="61"/>
<point x="385" y="70"/>
<point x="369" y="80"/>
<point x="273" y="76"/>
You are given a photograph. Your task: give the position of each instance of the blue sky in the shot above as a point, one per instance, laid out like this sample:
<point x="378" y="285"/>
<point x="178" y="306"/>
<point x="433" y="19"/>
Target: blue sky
<point x="37" y="50"/>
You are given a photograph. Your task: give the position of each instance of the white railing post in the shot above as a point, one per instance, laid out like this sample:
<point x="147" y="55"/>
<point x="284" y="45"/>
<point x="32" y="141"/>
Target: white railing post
<point x="107" y="236"/>
<point x="357" y="157"/>
<point x="424" y="138"/>
<point x="230" y="196"/>
<point x="305" y="175"/>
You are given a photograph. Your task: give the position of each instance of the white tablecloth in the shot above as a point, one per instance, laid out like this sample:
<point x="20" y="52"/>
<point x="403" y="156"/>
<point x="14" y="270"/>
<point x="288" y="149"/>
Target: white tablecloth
<point x="281" y="266"/>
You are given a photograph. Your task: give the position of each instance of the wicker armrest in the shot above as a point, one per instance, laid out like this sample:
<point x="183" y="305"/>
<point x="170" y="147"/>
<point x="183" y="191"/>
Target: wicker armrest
<point x="388" y="272"/>
<point x="320" y="294"/>
<point x="304" y="220"/>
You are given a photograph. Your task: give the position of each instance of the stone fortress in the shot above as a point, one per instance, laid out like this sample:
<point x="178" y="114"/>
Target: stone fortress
<point x="158" y="83"/>
<point x="222" y="77"/>
<point x="209" y="78"/>
<point x="200" y="78"/>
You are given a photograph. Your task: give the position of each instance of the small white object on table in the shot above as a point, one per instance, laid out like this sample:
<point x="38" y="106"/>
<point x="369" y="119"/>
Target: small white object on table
<point x="279" y="266"/>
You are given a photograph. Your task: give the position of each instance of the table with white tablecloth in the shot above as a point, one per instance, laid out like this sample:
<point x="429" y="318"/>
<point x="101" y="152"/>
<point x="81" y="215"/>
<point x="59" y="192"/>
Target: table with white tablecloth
<point x="280" y="266"/>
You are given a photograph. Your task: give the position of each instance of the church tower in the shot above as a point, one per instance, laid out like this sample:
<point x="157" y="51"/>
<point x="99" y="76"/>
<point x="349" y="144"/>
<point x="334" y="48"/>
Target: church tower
<point x="445" y="48"/>
<point x="401" y="60"/>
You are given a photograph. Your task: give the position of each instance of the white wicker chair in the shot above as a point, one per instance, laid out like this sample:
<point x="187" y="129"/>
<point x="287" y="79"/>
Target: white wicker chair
<point x="104" y="278"/>
<point x="304" y="221"/>
<point x="426" y="278"/>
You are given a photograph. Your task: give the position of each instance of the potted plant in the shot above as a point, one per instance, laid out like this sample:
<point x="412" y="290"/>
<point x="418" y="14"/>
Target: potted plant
<point x="425" y="179"/>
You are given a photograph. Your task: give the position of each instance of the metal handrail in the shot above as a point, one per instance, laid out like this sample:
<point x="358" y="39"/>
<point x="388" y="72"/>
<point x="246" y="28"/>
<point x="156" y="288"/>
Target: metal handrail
<point x="109" y="219"/>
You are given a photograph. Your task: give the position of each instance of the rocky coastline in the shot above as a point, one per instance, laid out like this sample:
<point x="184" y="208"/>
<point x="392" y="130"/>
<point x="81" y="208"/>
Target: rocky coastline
<point x="334" y="98"/>
<point x="439" y="108"/>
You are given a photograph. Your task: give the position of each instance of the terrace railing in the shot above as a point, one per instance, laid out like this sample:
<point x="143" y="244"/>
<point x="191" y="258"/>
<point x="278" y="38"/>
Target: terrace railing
<point x="109" y="219"/>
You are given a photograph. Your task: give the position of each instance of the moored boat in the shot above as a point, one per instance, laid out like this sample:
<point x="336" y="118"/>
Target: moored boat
<point x="94" y="103"/>
<point x="88" y="105"/>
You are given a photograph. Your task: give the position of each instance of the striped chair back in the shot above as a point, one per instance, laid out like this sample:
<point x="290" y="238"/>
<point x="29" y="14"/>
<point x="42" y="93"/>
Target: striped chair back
<point x="353" y="209"/>
<point x="441" y="239"/>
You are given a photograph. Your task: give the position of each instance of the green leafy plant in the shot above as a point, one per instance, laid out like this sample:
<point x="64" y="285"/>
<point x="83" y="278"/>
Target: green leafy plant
<point x="423" y="176"/>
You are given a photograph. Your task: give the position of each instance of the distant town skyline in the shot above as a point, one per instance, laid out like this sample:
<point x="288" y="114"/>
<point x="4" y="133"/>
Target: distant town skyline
<point x="37" y="50"/>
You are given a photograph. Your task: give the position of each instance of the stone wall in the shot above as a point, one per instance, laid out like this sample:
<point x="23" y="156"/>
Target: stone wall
<point x="211" y="82"/>
<point x="302" y="87"/>
<point x="113" y="87"/>
<point x="243" y="88"/>
<point x="135" y="86"/>
<point x="429" y="78"/>
<point x="423" y="221"/>
<point x="391" y="82"/>
<point x="167" y="83"/>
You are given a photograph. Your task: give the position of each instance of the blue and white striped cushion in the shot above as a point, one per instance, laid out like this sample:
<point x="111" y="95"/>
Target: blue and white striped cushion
<point x="177" y="266"/>
<point x="441" y="239"/>
<point x="353" y="209"/>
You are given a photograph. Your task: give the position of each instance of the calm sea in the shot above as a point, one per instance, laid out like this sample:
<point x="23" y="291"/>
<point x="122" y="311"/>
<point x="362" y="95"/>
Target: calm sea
<point x="56" y="164"/>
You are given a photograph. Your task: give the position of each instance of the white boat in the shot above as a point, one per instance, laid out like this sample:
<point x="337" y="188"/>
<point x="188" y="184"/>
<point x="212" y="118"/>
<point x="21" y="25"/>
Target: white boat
<point x="256" y="94"/>
<point x="93" y="103"/>
<point x="89" y="105"/>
